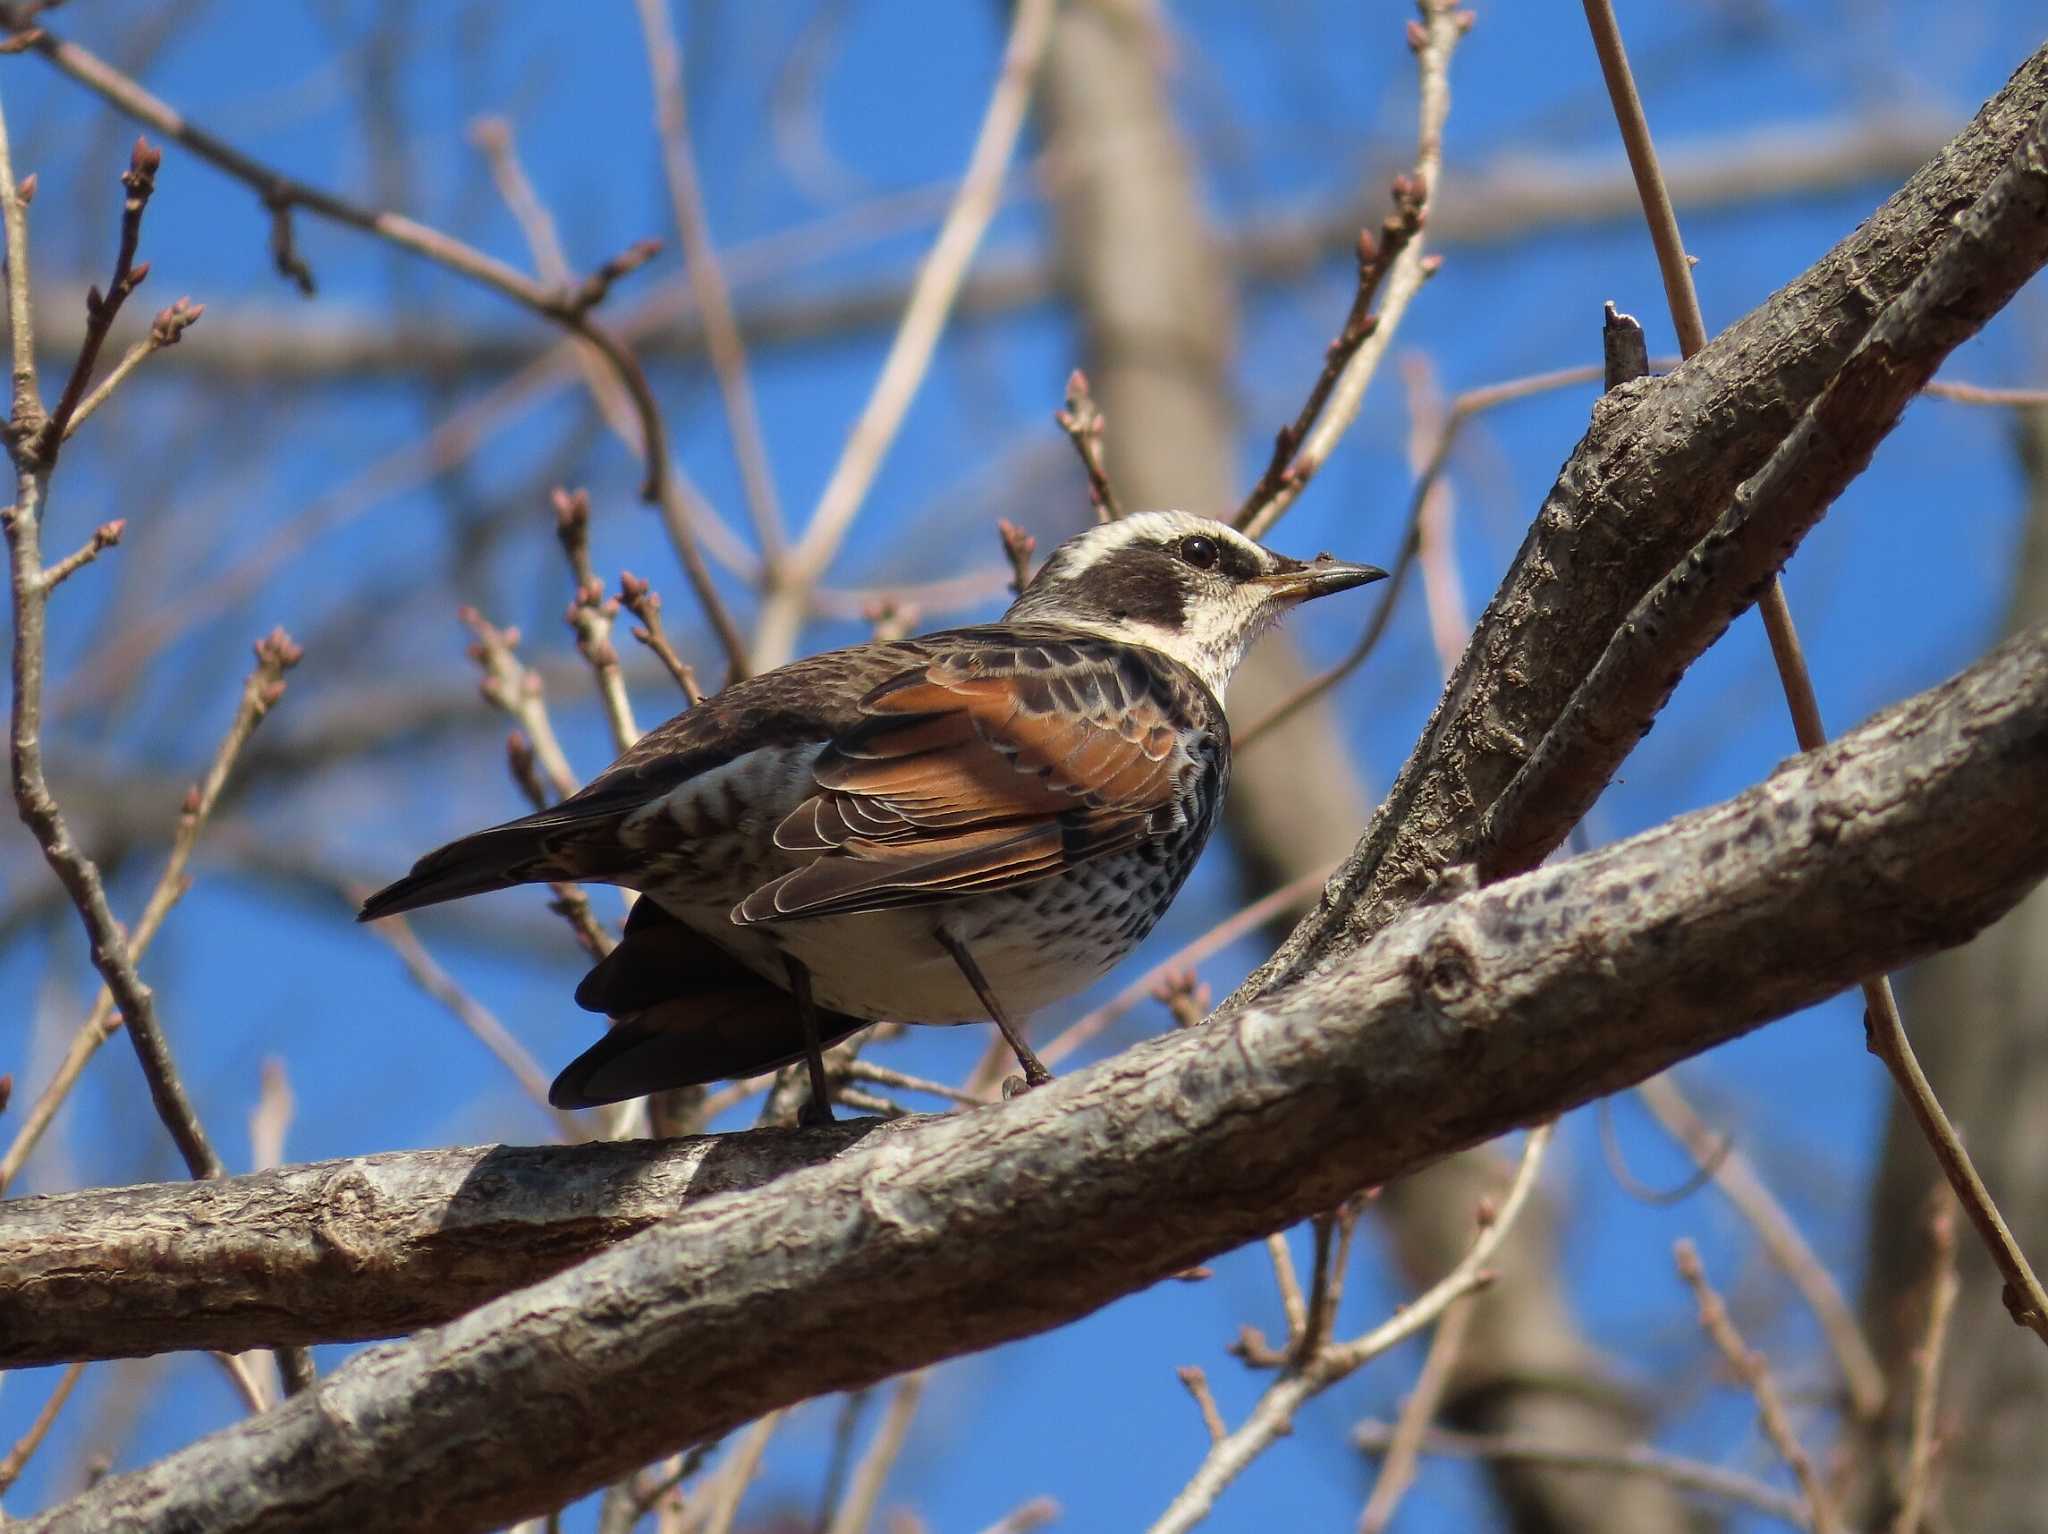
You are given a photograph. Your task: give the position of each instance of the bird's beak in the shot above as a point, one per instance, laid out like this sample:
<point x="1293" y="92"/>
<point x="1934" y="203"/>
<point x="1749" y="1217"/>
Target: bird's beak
<point x="1296" y="581"/>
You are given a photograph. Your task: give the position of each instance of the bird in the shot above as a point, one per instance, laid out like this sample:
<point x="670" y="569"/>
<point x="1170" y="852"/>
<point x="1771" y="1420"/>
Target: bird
<point x="966" y="825"/>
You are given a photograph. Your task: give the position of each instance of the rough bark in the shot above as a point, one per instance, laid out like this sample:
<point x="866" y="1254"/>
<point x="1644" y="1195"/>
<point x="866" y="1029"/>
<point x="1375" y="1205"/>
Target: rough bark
<point x="1662" y="460"/>
<point x="1979" y="1017"/>
<point x="1152" y="285"/>
<point x="1502" y="1007"/>
<point x="370" y="1246"/>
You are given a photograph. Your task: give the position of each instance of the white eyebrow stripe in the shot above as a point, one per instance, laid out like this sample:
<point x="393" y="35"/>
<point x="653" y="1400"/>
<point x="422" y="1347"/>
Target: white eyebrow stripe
<point x="1083" y="553"/>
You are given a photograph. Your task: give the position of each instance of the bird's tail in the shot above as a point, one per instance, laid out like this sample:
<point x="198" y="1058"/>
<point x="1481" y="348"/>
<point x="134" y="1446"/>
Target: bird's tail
<point x="540" y="847"/>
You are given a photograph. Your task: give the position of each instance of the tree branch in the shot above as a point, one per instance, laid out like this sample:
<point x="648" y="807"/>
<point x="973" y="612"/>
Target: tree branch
<point x="1503" y="1007"/>
<point x="1661" y="461"/>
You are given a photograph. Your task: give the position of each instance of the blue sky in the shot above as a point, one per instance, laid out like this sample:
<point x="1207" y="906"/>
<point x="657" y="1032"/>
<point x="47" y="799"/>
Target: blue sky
<point x="1286" y="105"/>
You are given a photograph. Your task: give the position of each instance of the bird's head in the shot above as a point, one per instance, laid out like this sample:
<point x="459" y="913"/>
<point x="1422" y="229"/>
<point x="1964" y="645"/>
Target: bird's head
<point x="1197" y="590"/>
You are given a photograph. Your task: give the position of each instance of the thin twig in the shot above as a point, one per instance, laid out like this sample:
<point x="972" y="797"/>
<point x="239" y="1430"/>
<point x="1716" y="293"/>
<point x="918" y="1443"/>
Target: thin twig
<point x="1197" y="1381"/>
<point x="1274" y="1414"/>
<point x="1404" y="1448"/>
<point x="592" y="613"/>
<point x="104" y="537"/>
<point x="31" y="447"/>
<point x="515" y="688"/>
<point x="493" y="136"/>
<point x="729" y="1486"/>
<point x="1443" y="594"/>
<point x="271" y="1118"/>
<point x="706" y="277"/>
<point x="46" y="1418"/>
<point x="1732" y="1173"/>
<point x="568" y="305"/>
<point x="1035" y="1514"/>
<point x="1303" y="447"/>
<point x="1083" y="423"/>
<point x="1941" y="1303"/>
<point x="924" y="317"/>
<point x="2025" y="1299"/>
<point x="884" y="1076"/>
<point x="1018" y="548"/>
<point x="1635" y="1460"/>
<point x="1463" y="408"/>
<point x="1750" y="1368"/>
<point x="166" y="330"/>
<point x="569" y="901"/>
<point x="857" y="1509"/>
<point x="138" y="183"/>
<point x="644" y="603"/>
<point x="1293" y="1304"/>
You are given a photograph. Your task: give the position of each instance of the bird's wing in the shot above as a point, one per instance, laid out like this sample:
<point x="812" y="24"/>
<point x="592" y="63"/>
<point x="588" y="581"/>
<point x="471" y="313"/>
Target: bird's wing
<point x="993" y="766"/>
<point x="805" y="703"/>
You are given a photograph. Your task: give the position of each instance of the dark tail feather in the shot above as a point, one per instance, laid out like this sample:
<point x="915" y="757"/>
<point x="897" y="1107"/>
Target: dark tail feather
<point x="692" y="1040"/>
<point x="496" y="859"/>
<point x="688" y="1013"/>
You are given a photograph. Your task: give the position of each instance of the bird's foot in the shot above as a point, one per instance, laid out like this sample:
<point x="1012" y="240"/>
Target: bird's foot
<point x="815" y="1111"/>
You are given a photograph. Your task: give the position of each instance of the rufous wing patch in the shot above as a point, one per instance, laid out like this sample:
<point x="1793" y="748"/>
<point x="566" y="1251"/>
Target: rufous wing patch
<point x="959" y="782"/>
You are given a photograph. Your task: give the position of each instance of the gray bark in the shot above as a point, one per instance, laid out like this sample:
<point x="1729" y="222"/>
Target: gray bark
<point x="1664" y="457"/>
<point x="348" y="1250"/>
<point x="1502" y="1007"/>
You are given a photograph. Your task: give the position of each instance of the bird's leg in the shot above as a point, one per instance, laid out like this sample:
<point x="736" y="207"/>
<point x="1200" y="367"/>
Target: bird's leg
<point x="1035" y="1073"/>
<point x="818" y="1110"/>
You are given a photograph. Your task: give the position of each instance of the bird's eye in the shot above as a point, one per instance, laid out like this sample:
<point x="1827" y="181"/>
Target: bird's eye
<point x="1200" y="552"/>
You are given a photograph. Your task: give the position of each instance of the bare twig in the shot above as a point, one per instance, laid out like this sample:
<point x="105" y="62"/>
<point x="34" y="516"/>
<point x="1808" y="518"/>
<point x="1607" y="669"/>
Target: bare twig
<point x="167" y="329"/>
<point x="2025" y="1298"/>
<point x="910" y="354"/>
<point x="568" y="901"/>
<point x="1443" y="594"/>
<point x="1373" y="258"/>
<point x="591" y="615"/>
<point x="1638" y="1460"/>
<point x="1274" y="1414"/>
<point x="857" y="1509"/>
<point x="706" y="277"/>
<point x="271" y="1117"/>
<point x="1082" y="421"/>
<point x="884" y="1076"/>
<point x="1393" y="269"/>
<point x="642" y="601"/>
<point x="1465" y="406"/>
<point x="1035" y="1514"/>
<point x="32" y="447"/>
<point x="722" y="1495"/>
<point x="567" y="304"/>
<point x="138" y="183"/>
<point x="25" y="1446"/>
<point x="1941" y="1304"/>
<point x="1293" y="1304"/>
<point x="1750" y="1368"/>
<point x="1737" y="1179"/>
<point x="104" y="537"/>
<point x="1018" y="547"/>
<point x="493" y="136"/>
<point x="515" y="688"/>
<point x="1197" y="1381"/>
<point x="1397" y="1469"/>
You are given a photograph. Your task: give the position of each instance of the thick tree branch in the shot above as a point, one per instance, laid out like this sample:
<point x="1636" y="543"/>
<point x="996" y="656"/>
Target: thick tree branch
<point x="1505" y="1006"/>
<point x="1662" y="460"/>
